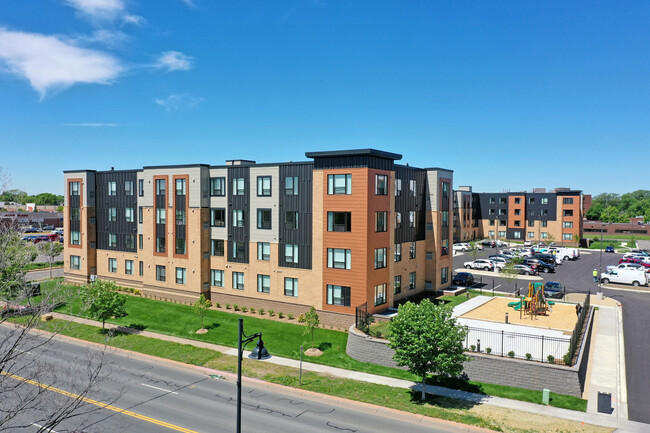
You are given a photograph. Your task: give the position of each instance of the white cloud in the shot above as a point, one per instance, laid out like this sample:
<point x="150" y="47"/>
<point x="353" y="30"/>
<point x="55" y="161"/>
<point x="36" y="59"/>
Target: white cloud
<point x="92" y="125"/>
<point x="179" y="102"/>
<point x="109" y="38"/>
<point x="174" y="61"/>
<point x="136" y="20"/>
<point x="98" y="9"/>
<point x="49" y="62"/>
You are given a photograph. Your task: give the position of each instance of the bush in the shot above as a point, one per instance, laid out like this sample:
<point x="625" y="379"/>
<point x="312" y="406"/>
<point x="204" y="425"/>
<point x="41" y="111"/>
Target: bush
<point x="529" y="356"/>
<point x="218" y="305"/>
<point x="511" y="354"/>
<point x="567" y="358"/>
<point x="271" y="312"/>
<point x="136" y="292"/>
<point x="551" y="359"/>
<point x="244" y="309"/>
<point x="252" y="310"/>
<point x="227" y="306"/>
<point x="290" y="316"/>
<point x="472" y="348"/>
<point x="235" y="307"/>
<point x="261" y="311"/>
<point x="280" y="314"/>
<point x="488" y="350"/>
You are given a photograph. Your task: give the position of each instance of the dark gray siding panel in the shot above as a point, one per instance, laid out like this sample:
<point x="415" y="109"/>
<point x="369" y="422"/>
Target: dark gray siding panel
<point x="239" y="234"/>
<point x="301" y="203"/>
<point x="534" y="211"/>
<point x="353" y="161"/>
<point x="485" y="205"/>
<point x="120" y="201"/>
<point x="405" y="203"/>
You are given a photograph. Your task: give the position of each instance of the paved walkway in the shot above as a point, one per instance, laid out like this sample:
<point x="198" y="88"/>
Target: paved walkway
<point x="605" y="377"/>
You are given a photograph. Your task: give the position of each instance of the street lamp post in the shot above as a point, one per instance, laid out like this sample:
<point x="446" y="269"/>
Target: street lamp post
<point x="600" y="268"/>
<point x="259" y="352"/>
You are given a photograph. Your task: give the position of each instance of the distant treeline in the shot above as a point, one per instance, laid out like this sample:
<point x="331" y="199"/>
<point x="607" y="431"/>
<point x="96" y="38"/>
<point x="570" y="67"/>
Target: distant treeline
<point x="22" y="197"/>
<point x="610" y="207"/>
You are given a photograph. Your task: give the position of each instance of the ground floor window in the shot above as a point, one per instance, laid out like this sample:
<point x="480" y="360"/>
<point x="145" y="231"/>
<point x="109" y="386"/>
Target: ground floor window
<point x="338" y="295"/>
<point x="238" y="280"/>
<point x="291" y="287"/>
<point x="397" y="284"/>
<point x="216" y="278"/>
<point x="444" y="275"/>
<point x="75" y="262"/>
<point x="112" y="265"/>
<point x="263" y="283"/>
<point x="380" y="294"/>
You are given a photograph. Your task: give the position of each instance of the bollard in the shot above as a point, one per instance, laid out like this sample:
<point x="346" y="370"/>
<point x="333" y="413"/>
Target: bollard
<point x="300" y="374"/>
<point x="506" y="317"/>
<point x="478" y="344"/>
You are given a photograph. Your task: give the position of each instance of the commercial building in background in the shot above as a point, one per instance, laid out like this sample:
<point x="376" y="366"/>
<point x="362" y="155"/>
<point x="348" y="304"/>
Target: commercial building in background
<point x="465" y="216"/>
<point x="554" y="216"/>
<point x="346" y="229"/>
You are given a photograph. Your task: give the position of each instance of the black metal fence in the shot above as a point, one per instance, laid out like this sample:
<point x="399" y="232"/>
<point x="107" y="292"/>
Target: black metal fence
<point x="516" y="345"/>
<point x="362" y="318"/>
<point x="576" y="336"/>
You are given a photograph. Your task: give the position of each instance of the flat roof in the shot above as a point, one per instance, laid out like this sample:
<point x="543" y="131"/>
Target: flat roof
<point x="354" y="152"/>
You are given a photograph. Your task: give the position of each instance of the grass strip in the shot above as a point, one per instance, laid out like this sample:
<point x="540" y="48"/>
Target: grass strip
<point x="32" y="266"/>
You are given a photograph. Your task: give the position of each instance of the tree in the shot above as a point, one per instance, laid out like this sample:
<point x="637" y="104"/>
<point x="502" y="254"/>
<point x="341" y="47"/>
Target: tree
<point x="473" y="249"/>
<point x="610" y="214"/>
<point x="509" y="272"/>
<point x="103" y="301"/>
<point x="311" y="321"/>
<point x="14" y="195"/>
<point x="426" y="339"/>
<point x="51" y="250"/>
<point x="201" y="306"/>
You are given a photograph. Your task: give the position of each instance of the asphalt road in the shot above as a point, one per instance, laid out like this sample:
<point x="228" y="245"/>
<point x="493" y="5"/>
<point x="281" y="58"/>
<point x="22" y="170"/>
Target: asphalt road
<point x="148" y="395"/>
<point x="45" y="273"/>
<point x="576" y="276"/>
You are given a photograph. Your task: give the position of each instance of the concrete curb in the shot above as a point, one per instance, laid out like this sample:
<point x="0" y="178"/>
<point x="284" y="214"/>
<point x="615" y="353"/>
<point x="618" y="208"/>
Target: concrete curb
<point x="621" y="379"/>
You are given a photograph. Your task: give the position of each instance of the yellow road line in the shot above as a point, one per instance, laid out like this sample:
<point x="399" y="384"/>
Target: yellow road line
<point x="99" y="404"/>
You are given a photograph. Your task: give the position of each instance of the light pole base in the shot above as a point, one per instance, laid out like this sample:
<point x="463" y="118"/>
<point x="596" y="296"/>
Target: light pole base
<point x="599" y="295"/>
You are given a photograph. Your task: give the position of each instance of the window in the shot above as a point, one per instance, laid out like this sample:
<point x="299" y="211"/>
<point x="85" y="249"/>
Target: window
<point x="380" y="294"/>
<point x="398" y="252"/>
<point x="338" y="258"/>
<point x="141" y="187"/>
<point x="128" y="187"/>
<point x="263" y="251"/>
<point x="381" y="182"/>
<point x="491" y="222"/>
<point x="444" y="247"/>
<point x="291" y="185"/>
<point x="517" y="211"/>
<point x="445" y="190"/>
<point x="411" y="280"/>
<point x="544" y="200"/>
<point x="544" y="223"/>
<point x="502" y="234"/>
<point x="544" y="212"/>
<point x="112" y="188"/>
<point x="218" y="217"/>
<point x="238" y="250"/>
<point x="217" y="186"/>
<point x="503" y="200"/>
<point x="216" y="278"/>
<point x="217" y="247"/>
<point x="263" y="186"/>
<point x="398" y="187"/>
<point x="238" y="218"/>
<point x="74" y="188"/>
<point x="74" y="213"/>
<point x="238" y="186"/>
<point x="444" y="275"/>
<point x="161" y="187"/>
<point x="238" y="280"/>
<point x="112" y="265"/>
<point x="140" y="268"/>
<point x="263" y="283"/>
<point x="339" y="184"/>
<point x="380" y="221"/>
<point x="161" y="215"/>
<point x="180" y="217"/>
<point x="491" y="211"/>
<point x="291" y="220"/>
<point x="412" y="187"/>
<point x="531" y="235"/>
<point x="531" y="200"/>
<point x="517" y="234"/>
<point x="129" y="241"/>
<point x="112" y="214"/>
<point x="181" y="246"/>
<point x="544" y="235"/>
<point x="411" y="218"/>
<point x="429" y="255"/>
<point x="380" y="258"/>
<point x="140" y="214"/>
<point x="128" y="214"/>
<point x="491" y="233"/>
<point x="568" y="213"/>
<point x="412" y="250"/>
<point x="160" y="244"/>
<point x="291" y="287"/>
<point x="492" y="200"/>
<point x="502" y="211"/>
<point x="263" y="219"/>
<point x="398" y="220"/>
<point x="531" y="223"/>
<point x="445" y="218"/>
<point x="397" y="284"/>
<point x="338" y="295"/>
<point x="140" y="241"/>
<point x="160" y="273"/>
<point x="567" y="200"/>
<point x="517" y="200"/>
<point x="75" y="262"/>
<point x="180" y="189"/>
<point x="112" y="240"/>
<point x="291" y="253"/>
<point x="517" y="223"/>
<point x="567" y="224"/>
<point x="128" y="267"/>
<point x="567" y="236"/>
<point x="75" y="238"/>
<point x="339" y="221"/>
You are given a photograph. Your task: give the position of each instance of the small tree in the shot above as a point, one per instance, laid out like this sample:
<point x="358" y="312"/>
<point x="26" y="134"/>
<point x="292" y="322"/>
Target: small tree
<point x="51" y="250"/>
<point x="103" y="300"/>
<point x="201" y="306"/>
<point x="427" y="340"/>
<point x="473" y="249"/>
<point x="509" y="272"/>
<point x="311" y="321"/>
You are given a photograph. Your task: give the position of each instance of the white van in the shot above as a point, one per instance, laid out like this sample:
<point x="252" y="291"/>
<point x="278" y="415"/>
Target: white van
<point x="625" y="276"/>
<point x="565" y="253"/>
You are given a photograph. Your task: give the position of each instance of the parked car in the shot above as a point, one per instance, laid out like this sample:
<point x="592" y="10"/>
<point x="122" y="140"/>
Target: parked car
<point x="463" y="279"/>
<point x="625" y="266"/>
<point x="625" y="276"/>
<point x="488" y="243"/>
<point x="528" y="243"/>
<point x="549" y="258"/>
<point x="553" y="289"/>
<point x="634" y="261"/>
<point x="484" y="264"/>
<point x="539" y="265"/>
<point x="47" y="228"/>
<point x="460" y="247"/>
<point x="641" y="252"/>
<point x="609" y="249"/>
<point x="524" y="270"/>
<point x="31" y="230"/>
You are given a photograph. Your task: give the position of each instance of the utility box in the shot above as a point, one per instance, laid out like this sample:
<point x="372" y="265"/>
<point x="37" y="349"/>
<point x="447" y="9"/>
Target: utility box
<point x="605" y="403"/>
<point x="546" y="396"/>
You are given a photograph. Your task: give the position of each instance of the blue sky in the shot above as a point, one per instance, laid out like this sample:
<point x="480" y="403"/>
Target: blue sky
<point x="510" y="95"/>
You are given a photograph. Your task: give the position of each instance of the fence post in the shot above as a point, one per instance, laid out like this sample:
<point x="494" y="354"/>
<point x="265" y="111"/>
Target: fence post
<point x="502" y="342"/>
<point x="542" y="348"/>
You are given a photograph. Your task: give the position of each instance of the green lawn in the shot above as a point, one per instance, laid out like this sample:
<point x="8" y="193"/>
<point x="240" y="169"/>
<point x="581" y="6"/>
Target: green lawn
<point x="622" y="237"/>
<point x="32" y="266"/>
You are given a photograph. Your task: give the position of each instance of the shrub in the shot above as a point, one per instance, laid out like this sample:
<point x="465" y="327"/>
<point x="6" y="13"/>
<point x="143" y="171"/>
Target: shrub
<point x="567" y="358"/>
<point x="301" y="318"/>
<point x="511" y="354"/>
<point x="136" y="292"/>
<point x="290" y="316"/>
<point x="551" y="359"/>
<point x="271" y="312"/>
<point x="529" y="356"/>
<point x="244" y="309"/>
<point x="218" y="305"/>
<point x="280" y="314"/>
<point x="252" y="310"/>
<point x="488" y="350"/>
<point x="472" y="348"/>
<point x="261" y="311"/>
<point x="227" y="306"/>
<point x="235" y="307"/>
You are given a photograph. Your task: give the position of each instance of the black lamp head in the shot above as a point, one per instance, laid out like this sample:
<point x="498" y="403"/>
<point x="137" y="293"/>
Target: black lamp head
<point x="260" y="351"/>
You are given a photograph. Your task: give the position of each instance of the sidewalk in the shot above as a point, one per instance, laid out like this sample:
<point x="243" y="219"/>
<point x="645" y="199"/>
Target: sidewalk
<point x="604" y="375"/>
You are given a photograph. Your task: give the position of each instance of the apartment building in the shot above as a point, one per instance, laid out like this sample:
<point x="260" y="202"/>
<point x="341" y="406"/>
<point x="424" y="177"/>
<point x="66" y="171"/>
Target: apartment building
<point x="554" y="216"/>
<point x="465" y="216"/>
<point x="345" y="229"/>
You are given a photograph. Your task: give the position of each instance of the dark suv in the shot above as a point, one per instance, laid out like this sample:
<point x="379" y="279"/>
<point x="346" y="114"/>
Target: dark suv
<point x="463" y="279"/>
<point x="539" y="265"/>
<point x="548" y="258"/>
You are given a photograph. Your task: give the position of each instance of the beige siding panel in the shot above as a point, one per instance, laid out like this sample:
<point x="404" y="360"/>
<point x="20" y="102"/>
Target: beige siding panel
<point x="272" y="202"/>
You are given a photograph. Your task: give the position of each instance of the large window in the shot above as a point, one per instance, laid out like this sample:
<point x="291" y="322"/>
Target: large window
<point x="411" y="280"/>
<point x="544" y="223"/>
<point x="129" y="241"/>
<point x="444" y="275"/>
<point x="568" y="212"/>
<point x="516" y="234"/>
<point x="445" y="218"/>
<point x="112" y="214"/>
<point x="567" y="200"/>
<point x="217" y="247"/>
<point x="141" y="187"/>
<point x="398" y="220"/>
<point x="397" y="284"/>
<point x="380" y="221"/>
<point x="544" y="200"/>
<point x="291" y="185"/>
<point x="398" y="252"/>
<point x="380" y="258"/>
<point x="412" y="250"/>
<point x="291" y="220"/>
<point x="338" y="258"/>
<point x="411" y="218"/>
<point x="74" y="188"/>
<point x="263" y="283"/>
<point x="263" y="219"/>
<point x="141" y="268"/>
<point x="238" y="186"/>
<point x="128" y="214"/>
<point x="544" y="235"/>
<point x="217" y="186"/>
<point x="398" y="187"/>
<point x="492" y="200"/>
<point x="238" y="250"/>
<point x="160" y="244"/>
<point x="567" y="236"/>
<point x="445" y="190"/>
<point x="218" y="217"/>
<point x="238" y="280"/>
<point x="128" y="267"/>
<point x="180" y="275"/>
<point x="140" y="241"/>
<point x="112" y="188"/>
<point x="237" y="218"/>
<point x="160" y="273"/>
<point x="75" y="238"/>
<point x="112" y="240"/>
<point x="75" y="262"/>
<point x="381" y="184"/>
<point x="502" y="234"/>
<point x="413" y="186"/>
<point x="380" y="294"/>
<point x="140" y="214"/>
<point x="444" y="247"/>
<point x="180" y="217"/>
<point x="291" y="253"/>
<point x="531" y="223"/>
<point x="181" y="246"/>
<point x="180" y="187"/>
<point x="161" y="187"/>
<point x="112" y="265"/>
<point x="531" y="235"/>
<point x="263" y="251"/>
<point x="74" y="213"/>
<point x="339" y="184"/>
<point x="291" y="287"/>
<point x="216" y="278"/>
<point x="338" y="295"/>
<point x="161" y="215"/>
<point x="339" y="221"/>
<point x="263" y="186"/>
<point x="567" y="224"/>
<point x="544" y="212"/>
<point x="128" y="187"/>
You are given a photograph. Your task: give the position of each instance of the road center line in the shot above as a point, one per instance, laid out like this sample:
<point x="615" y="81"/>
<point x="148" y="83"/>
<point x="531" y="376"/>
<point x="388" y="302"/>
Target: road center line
<point x="159" y="389"/>
<point x="99" y="404"/>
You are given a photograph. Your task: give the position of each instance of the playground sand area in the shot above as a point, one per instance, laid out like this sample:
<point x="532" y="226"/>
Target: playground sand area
<point x="562" y="317"/>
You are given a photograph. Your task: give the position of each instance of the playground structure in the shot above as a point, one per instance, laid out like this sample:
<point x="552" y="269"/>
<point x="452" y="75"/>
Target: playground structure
<point x="535" y="304"/>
